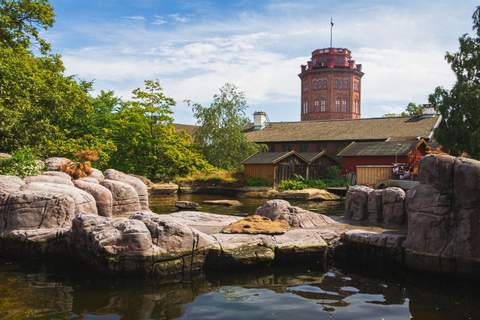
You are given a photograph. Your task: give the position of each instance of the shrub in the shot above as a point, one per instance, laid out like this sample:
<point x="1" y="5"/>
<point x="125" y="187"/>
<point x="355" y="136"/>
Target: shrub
<point x="333" y="179"/>
<point x="257" y="182"/>
<point x="21" y="164"/>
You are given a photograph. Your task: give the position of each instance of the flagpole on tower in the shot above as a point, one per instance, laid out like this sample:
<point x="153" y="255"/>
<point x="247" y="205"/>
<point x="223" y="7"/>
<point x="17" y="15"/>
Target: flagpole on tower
<point x="331" y="31"/>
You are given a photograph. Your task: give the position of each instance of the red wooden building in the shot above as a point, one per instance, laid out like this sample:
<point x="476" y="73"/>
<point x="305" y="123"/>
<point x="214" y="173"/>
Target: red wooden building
<point x="382" y="153"/>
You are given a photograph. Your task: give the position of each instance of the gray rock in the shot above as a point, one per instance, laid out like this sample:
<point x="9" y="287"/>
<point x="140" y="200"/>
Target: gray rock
<point x="103" y="197"/>
<point x="54" y="164"/>
<point x="84" y="202"/>
<point x="34" y="209"/>
<point x="49" y="179"/>
<point x="125" y="198"/>
<point x="136" y="183"/>
<point x="10" y="183"/>
<point x="96" y="174"/>
<point x="374" y="206"/>
<point x="356" y="203"/>
<point x="229" y="203"/>
<point x="186" y="204"/>
<point x="393" y="206"/>
<point x="60" y="174"/>
<point x="295" y="216"/>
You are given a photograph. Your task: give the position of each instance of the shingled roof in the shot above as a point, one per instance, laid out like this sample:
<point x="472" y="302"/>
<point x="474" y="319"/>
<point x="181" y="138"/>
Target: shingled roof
<point x="371" y="149"/>
<point x="270" y="157"/>
<point x="189" y="129"/>
<point x="380" y="129"/>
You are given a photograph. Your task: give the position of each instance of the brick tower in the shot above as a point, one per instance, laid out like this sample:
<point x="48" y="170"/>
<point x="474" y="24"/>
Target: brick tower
<point x="331" y="86"/>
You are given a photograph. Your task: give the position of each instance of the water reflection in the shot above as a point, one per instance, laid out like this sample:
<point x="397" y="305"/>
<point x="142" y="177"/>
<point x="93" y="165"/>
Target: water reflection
<point x="45" y="290"/>
<point x="164" y="204"/>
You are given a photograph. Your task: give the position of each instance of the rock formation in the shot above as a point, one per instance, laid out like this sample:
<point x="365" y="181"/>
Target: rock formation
<point x="295" y="216"/>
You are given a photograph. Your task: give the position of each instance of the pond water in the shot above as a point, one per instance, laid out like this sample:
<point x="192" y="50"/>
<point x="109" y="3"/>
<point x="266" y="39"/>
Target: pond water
<point x="58" y="289"/>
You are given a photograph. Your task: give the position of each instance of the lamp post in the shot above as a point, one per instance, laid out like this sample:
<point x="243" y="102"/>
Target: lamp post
<point x="396" y="152"/>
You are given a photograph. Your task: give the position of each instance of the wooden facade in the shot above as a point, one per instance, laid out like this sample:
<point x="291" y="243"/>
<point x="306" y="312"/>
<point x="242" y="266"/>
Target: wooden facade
<point x="381" y="154"/>
<point x="278" y="166"/>
<point x="370" y="175"/>
<point x="320" y="164"/>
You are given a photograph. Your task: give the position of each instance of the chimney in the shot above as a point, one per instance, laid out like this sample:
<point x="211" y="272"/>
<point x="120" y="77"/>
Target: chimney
<point x="259" y="120"/>
<point x="428" y="110"/>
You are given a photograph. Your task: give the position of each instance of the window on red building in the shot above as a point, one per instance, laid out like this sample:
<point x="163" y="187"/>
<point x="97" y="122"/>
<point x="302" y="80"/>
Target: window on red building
<point x="344" y="105"/>
<point x="337" y="105"/>
<point x="336" y="84"/>
<point x="317" y="104"/>
<point x="322" y="105"/>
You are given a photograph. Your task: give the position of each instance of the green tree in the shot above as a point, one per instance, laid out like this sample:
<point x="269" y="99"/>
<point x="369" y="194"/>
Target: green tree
<point x="19" y="20"/>
<point x="412" y="110"/>
<point x="35" y="99"/>
<point x="459" y="130"/>
<point x="219" y="135"/>
<point x="146" y="140"/>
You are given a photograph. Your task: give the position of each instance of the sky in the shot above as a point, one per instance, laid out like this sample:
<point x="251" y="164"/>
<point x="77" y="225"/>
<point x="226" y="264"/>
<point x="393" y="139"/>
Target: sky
<point x="195" y="47"/>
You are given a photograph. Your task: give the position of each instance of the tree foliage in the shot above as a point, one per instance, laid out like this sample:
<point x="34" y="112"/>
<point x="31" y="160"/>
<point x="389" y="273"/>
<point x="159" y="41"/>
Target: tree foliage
<point x="411" y="110"/>
<point x="219" y="135"/>
<point x="146" y="140"/>
<point x="459" y="130"/>
<point x="19" y="20"/>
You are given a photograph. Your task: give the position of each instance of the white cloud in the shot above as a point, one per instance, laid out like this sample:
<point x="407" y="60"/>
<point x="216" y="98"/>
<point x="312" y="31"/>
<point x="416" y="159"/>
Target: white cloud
<point x="178" y="18"/>
<point x="134" y="18"/>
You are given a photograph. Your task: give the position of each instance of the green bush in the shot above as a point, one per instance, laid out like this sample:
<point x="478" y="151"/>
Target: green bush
<point x="21" y="164"/>
<point x="257" y="182"/>
<point x="332" y="180"/>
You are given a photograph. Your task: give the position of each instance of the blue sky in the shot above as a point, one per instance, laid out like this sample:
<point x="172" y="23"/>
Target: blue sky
<point x="194" y="47"/>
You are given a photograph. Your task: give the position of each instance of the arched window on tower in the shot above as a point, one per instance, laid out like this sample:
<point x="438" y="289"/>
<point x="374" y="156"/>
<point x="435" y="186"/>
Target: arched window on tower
<point x="341" y="84"/>
<point x="336" y="84"/>
<point x="314" y="85"/>
<point x="337" y="105"/>
<point x="356" y="108"/>
<point x="346" y="84"/>
<point x="320" y="84"/>
<point x="324" y="84"/>
<point x="322" y="105"/>
<point x="317" y="104"/>
<point x="344" y="105"/>
<point x="305" y="106"/>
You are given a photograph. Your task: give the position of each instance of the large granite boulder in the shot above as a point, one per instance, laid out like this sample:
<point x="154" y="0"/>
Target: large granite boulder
<point x="444" y="216"/>
<point x="103" y="197"/>
<point x="295" y="216"/>
<point x="393" y="206"/>
<point x="125" y="198"/>
<point x="5" y="156"/>
<point x="118" y="236"/>
<point x="96" y="174"/>
<point x="54" y="163"/>
<point x="172" y="237"/>
<point x="136" y="183"/>
<point x="50" y="179"/>
<point x="33" y="209"/>
<point x="84" y="202"/>
<point x="60" y="174"/>
<point x="374" y="205"/>
<point x="356" y="203"/>
<point x="10" y="183"/>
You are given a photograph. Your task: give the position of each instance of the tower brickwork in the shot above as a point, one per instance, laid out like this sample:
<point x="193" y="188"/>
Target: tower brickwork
<point x="331" y="86"/>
